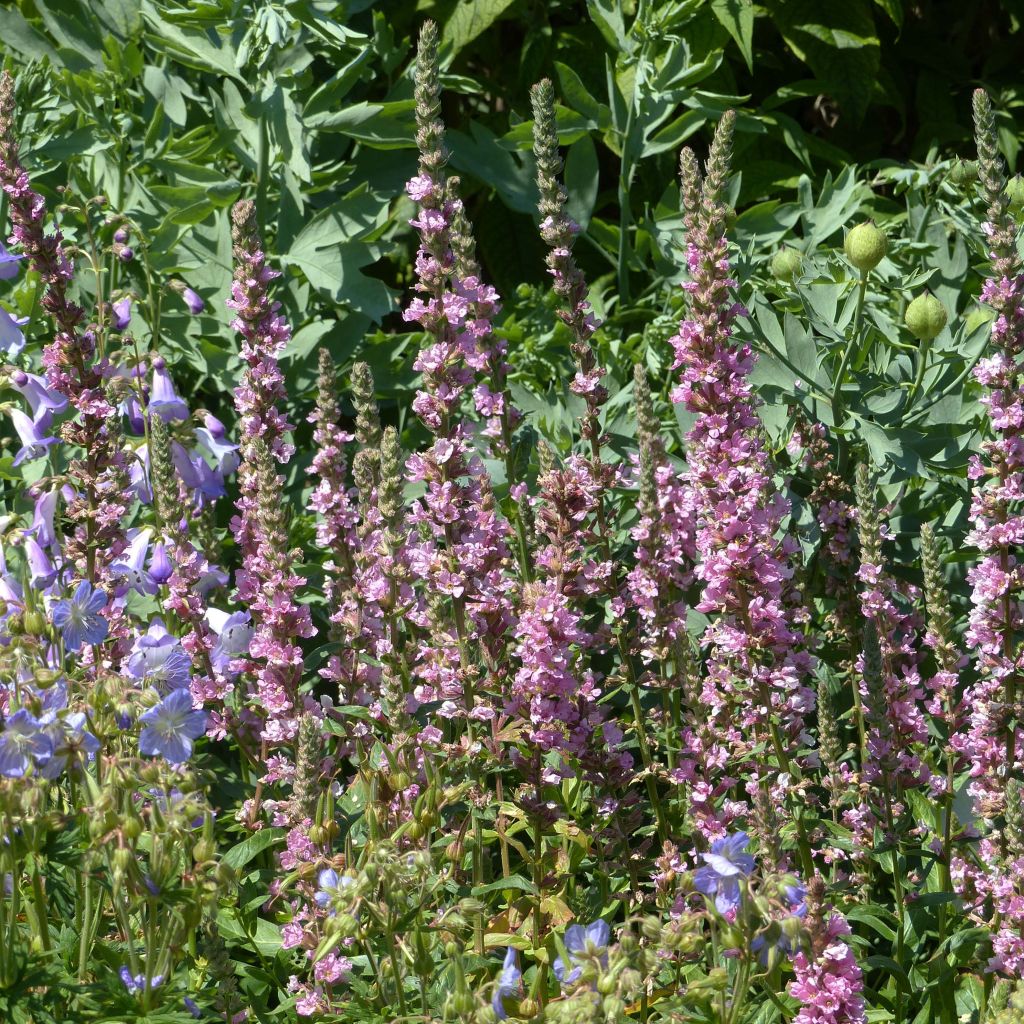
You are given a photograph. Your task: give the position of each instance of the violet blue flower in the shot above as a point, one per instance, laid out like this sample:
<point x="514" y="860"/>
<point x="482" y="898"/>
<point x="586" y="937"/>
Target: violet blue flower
<point x="330" y="882"/>
<point x="138" y="983"/>
<point x="43" y="528"/>
<point x="34" y="442"/>
<point x="131" y="565"/>
<point x="194" y="301"/>
<point x="723" y="868"/>
<point x="8" y="264"/>
<point x="171" y="727"/>
<point x="122" y="313"/>
<point x="234" y="633"/>
<point x="160" y="662"/>
<point x="163" y="399"/>
<point x="582" y="942"/>
<point x="71" y="741"/>
<point x="42" y="572"/>
<point x="22" y="741"/>
<point x="78" y="617"/>
<point x="160" y="568"/>
<point x="510" y="983"/>
<point x="12" y="341"/>
<point x="34" y="390"/>
<point x="213" y="439"/>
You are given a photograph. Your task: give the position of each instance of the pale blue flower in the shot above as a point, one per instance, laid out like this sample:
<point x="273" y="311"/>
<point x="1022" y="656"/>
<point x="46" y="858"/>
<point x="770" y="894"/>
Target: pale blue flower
<point x="582" y="942"/>
<point x="171" y="727"/>
<point x="723" y="868"/>
<point x="510" y="983"/>
<point x="78" y="618"/>
<point x="23" y="741"/>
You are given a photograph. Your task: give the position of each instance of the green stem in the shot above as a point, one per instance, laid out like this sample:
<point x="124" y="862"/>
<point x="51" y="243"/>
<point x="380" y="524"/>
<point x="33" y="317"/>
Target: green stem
<point x="852" y="343"/>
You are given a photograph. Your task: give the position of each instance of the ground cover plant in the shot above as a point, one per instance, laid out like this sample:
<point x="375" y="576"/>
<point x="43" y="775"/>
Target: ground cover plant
<point x="640" y="643"/>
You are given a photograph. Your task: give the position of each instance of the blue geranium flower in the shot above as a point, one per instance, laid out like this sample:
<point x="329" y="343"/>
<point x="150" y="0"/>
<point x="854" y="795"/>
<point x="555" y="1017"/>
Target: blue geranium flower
<point x="510" y="983"/>
<point x="582" y="943"/>
<point x="723" y="868"/>
<point x="138" y="983"/>
<point x="171" y="727"/>
<point x="23" y="741"/>
<point x="78" y="618"/>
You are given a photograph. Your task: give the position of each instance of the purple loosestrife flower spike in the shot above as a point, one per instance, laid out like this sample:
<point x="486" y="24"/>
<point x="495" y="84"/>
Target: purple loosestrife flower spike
<point x="78" y="617"/>
<point x="170" y="728"/>
<point x="101" y="480"/>
<point x="756" y="690"/>
<point x="993" y="740"/>
<point x="267" y="583"/>
<point x="12" y="340"/>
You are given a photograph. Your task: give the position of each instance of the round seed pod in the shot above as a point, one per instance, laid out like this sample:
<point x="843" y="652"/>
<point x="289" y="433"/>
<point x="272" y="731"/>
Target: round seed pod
<point x="925" y="317"/>
<point x="786" y="264"/>
<point x="865" y="246"/>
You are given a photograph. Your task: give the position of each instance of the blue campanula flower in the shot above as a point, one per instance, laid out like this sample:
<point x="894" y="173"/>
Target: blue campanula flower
<point x="213" y="439"/>
<point x="8" y="264"/>
<point x="723" y="868"/>
<point x="163" y="399"/>
<point x="193" y="300"/>
<point x="34" y="441"/>
<point x="35" y="391"/>
<point x="510" y="983"/>
<point x="160" y="568"/>
<point x="234" y="633"/>
<point x="171" y="727"/>
<point x="42" y="572"/>
<point x="131" y="565"/>
<point x="78" y="617"/>
<point x="12" y="341"/>
<point x="23" y="741"/>
<point x="43" y="516"/>
<point x="582" y="942"/>
<point x="122" y="313"/>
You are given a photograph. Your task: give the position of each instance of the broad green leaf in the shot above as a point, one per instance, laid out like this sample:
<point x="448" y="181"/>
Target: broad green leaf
<point x="469" y="19"/>
<point x="240" y="855"/>
<point x="737" y="17"/>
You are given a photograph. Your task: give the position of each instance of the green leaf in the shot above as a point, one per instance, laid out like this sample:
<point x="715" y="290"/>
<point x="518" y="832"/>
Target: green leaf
<point x="265" y="936"/>
<point x="469" y="19"/>
<point x="737" y="18"/>
<point x="576" y="95"/>
<point x="380" y="125"/>
<point x="838" y="41"/>
<point x="581" y="180"/>
<point x="240" y="855"/>
<point x="512" y="882"/>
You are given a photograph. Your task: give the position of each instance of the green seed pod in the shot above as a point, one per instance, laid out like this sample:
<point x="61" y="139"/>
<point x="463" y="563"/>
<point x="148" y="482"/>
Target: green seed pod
<point x="963" y="172"/>
<point x="865" y="246"/>
<point x="925" y="317"/>
<point x="786" y="264"/>
<point x="1015" y="194"/>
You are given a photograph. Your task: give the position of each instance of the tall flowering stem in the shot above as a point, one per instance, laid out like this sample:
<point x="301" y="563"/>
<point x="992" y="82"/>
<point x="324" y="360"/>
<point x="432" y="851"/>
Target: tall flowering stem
<point x="993" y="739"/>
<point x="756" y="689"/>
<point x="462" y="550"/>
<point x="100" y="500"/>
<point x="267" y="582"/>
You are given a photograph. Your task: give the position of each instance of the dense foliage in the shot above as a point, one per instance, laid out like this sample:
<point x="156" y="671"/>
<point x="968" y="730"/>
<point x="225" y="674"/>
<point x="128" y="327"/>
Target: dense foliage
<point x="496" y="570"/>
